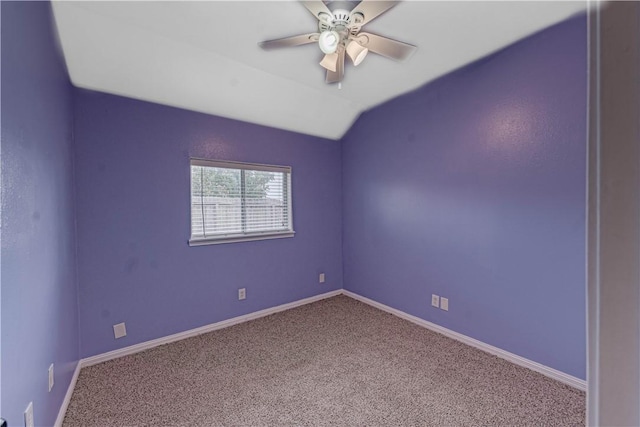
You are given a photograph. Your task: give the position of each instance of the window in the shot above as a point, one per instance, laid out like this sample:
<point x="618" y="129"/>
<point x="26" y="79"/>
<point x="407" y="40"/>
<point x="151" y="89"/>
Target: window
<point x="233" y="202"/>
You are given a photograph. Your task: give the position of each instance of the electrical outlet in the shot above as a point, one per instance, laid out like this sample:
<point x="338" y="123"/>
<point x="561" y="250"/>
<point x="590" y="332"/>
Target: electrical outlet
<point x="242" y="293"/>
<point x="321" y="278"/>
<point x="120" y="330"/>
<point x="444" y="303"/>
<point x="435" y="300"/>
<point x="28" y="416"/>
<point x="50" y="377"/>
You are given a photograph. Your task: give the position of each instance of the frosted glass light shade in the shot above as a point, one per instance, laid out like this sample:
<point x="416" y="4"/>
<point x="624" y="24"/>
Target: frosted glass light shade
<point x="356" y="52"/>
<point x="330" y="62"/>
<point x="328" y="41"/>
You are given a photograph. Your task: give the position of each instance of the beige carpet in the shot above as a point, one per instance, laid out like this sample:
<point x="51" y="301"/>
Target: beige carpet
<point x="333" y="362"/>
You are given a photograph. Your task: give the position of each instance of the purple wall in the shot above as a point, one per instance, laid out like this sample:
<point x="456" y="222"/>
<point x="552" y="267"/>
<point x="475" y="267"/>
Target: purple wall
<point x="132" y="169"/>
<point x="473" y="188"/>
<point x="39" y="290"/>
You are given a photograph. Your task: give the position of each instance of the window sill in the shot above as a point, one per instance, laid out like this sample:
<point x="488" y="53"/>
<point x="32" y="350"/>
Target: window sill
<point x="234" y="239"/>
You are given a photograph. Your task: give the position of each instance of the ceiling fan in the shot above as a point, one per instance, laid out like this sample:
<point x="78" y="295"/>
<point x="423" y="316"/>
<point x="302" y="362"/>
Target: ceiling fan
<point x="339" y="35"/>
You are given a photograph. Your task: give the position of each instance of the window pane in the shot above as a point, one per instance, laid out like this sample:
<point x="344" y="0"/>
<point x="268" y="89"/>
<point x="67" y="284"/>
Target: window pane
<point x="216" y="201"/>
<point x="265" y="201"/>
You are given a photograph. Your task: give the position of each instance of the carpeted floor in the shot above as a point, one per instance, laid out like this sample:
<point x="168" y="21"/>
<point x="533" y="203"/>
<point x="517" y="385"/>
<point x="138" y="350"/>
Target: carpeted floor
<point x="333" y="362"/>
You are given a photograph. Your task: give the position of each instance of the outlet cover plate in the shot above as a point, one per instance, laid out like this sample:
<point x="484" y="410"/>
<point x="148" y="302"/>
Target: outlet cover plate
<point x="321" y="278"/>
<point x="444" y="303"/>
<point x="120" y="330"/>
<point x="28" y="416"/>
<point x="435" y="300"/>
<point x="242" y="293"/>
<point x="50" y="377"/>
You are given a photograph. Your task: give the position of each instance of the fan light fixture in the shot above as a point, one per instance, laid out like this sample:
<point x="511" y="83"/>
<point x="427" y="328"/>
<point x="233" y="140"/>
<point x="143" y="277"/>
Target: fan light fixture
<point x="328" y="41"/>
<point x="356" y="52"/>
<point x="330" y="62"/>
<point x="339" y="34"/>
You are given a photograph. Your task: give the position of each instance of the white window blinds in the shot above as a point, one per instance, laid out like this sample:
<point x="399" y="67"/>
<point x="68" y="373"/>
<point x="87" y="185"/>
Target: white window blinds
<point x="239" y="201"/>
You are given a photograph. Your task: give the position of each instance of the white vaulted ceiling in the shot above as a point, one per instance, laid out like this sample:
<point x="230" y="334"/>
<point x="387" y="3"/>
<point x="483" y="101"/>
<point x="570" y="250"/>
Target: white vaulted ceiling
<point x="204" y="56"/>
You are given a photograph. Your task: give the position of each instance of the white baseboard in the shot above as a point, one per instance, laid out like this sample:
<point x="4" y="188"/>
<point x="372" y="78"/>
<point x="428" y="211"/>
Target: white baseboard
<point x="94" y="360"/>
<point x="67" y="396"/>
<point x="514" y="358"/>
<point x="518" y="360"/>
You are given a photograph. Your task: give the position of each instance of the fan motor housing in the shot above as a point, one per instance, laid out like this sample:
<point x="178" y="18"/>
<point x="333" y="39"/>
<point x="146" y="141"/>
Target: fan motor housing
<point x="342" y="21"/>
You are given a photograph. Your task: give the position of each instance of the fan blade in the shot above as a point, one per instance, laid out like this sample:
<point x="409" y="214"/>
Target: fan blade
<point x="384" y="46"/>
<point x="335" y="77"/>
<point x="372" y="9"/>
<point x="317" y="7"/>
<point x="290" y="41"/>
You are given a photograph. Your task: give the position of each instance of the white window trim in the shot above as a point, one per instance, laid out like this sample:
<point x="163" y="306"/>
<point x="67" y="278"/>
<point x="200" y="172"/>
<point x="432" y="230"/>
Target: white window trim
<point x="232" y="238"/>
<point x="240" y="238"/>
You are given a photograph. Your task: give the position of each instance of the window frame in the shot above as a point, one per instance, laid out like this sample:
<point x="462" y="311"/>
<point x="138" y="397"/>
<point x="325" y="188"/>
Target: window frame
<point x="244" y="236"/>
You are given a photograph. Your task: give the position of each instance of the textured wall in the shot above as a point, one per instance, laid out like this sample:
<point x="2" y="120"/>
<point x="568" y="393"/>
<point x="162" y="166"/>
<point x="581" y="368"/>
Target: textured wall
<point x="39" y="294"/>
<point x="473" y="188"/>
<point x="132" y="169"/>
